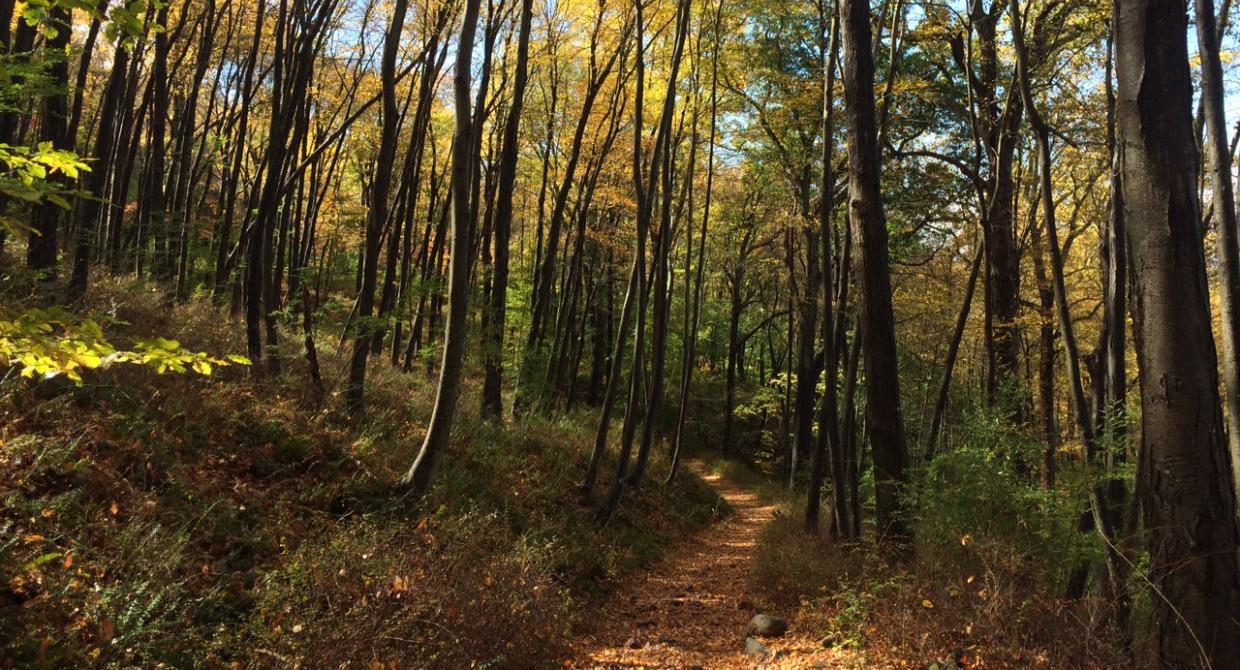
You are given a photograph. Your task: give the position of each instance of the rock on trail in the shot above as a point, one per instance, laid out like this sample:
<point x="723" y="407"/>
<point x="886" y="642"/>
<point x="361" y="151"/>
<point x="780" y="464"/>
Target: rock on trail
<point x="694" y="609"/>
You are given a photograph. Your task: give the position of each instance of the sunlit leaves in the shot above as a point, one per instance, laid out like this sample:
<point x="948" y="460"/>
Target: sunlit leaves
<point x="45" y="343"/>
<point x="24" y="173"/>
<point x="127" y="21"/>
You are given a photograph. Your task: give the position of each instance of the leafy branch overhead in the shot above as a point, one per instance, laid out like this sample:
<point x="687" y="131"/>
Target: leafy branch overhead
<point x="45" y="343"/>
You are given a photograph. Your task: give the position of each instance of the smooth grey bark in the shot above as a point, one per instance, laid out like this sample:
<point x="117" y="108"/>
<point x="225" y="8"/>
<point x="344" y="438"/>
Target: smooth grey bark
<point x="418" y="477"/>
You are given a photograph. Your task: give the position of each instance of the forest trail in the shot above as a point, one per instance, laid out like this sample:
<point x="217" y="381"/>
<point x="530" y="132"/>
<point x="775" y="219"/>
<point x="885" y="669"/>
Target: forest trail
<point x="691" y="609"/>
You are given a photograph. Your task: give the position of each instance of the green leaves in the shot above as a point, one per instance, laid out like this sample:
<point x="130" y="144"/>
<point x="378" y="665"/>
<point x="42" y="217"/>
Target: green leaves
<point x="24" y="173"/>
<point x="35" y="13"/>
<point x="126" y="22"/>
<point x="49" y="342"/>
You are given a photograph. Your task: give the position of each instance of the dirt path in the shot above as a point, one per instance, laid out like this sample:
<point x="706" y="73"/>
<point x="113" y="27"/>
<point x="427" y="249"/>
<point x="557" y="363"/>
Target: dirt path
<point x="691" y="609"/>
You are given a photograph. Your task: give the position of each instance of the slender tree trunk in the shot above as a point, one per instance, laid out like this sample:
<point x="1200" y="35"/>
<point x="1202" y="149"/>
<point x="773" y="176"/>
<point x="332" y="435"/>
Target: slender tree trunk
<point x="1224" y="215"/>
<point x="1096" y="519"/>
<point x="152" y="207"/>
<point x="378" y="215"/>
<point x="419" y="476"/>
<point x="238" y="148"/>
<point x="930" y="446"/>
<point x="663" y="244"/>
<point x="690" y="360"/>
<point x="545" y="273"/>
<point x="493" y="346"/>
<point x="1046" y="354"/>
<point x="828" y="412"/>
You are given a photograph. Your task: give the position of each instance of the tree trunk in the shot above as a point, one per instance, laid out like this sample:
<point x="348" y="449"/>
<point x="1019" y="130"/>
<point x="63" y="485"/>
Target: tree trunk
<point x="418" y="477"/>
<point x="883" y="416"/>
<point x="828" y="412"/>
<point x="663" y="244"/>
<point x="378" y="215"/>
<point x="1188" y="497"/>
<point x="493" y="347"/>
<point x="41" y="251"/>
<point x="1224" y="215"/>
<point x="692" y="324"/>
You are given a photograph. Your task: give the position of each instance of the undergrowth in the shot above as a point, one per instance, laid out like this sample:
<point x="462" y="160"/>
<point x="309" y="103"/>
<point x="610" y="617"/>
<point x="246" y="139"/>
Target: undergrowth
<point x="984" y="586"/>
<point x="166" y="521"/>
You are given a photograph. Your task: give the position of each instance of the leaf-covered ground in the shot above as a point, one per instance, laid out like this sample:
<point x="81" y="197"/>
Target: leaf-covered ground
<point x="692" y="608"/>
<point x="178" y="521"/>
<point x="846" y="606"/>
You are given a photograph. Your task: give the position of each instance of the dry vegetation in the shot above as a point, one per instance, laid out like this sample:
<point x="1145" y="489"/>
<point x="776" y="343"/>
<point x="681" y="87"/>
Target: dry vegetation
<point x="970" y="596"/>
<point x="222" y="522"/>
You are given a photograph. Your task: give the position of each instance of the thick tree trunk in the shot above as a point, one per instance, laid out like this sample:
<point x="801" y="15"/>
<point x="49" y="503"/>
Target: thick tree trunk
<point x="883" y="416"/>
<point x="41" y="250"/>
<point x="1188" y="495"/>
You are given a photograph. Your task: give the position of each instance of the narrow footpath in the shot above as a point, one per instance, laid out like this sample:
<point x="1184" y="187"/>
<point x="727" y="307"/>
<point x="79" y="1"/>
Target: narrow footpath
<point x="692" y="608"/>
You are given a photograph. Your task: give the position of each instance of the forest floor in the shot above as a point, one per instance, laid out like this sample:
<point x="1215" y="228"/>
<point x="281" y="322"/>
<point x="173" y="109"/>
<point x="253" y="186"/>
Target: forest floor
<point x="692" y="608"/>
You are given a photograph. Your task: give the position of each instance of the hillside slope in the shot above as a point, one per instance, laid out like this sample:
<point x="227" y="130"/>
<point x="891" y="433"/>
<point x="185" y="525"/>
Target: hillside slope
<point x="181" y="521"/>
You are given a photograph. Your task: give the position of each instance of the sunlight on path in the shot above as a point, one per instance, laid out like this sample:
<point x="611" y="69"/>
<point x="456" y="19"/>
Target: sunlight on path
<point x="691" y="609"/>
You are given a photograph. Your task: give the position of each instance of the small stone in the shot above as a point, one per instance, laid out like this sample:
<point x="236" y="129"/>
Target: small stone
<point x="633" y="643"/>
<point x="827" y="642"/>
<point x="764" y="625"/>
<point x="756" y="649"/>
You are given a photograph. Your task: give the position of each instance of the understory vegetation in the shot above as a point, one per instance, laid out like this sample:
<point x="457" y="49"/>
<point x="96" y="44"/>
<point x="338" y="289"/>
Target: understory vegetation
<point x="993" y="556"/>
<point x="200" y="522"/>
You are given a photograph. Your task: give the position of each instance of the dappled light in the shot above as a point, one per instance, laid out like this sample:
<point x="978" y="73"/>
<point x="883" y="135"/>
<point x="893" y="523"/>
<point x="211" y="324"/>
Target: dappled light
<point x="517" y="334"/>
